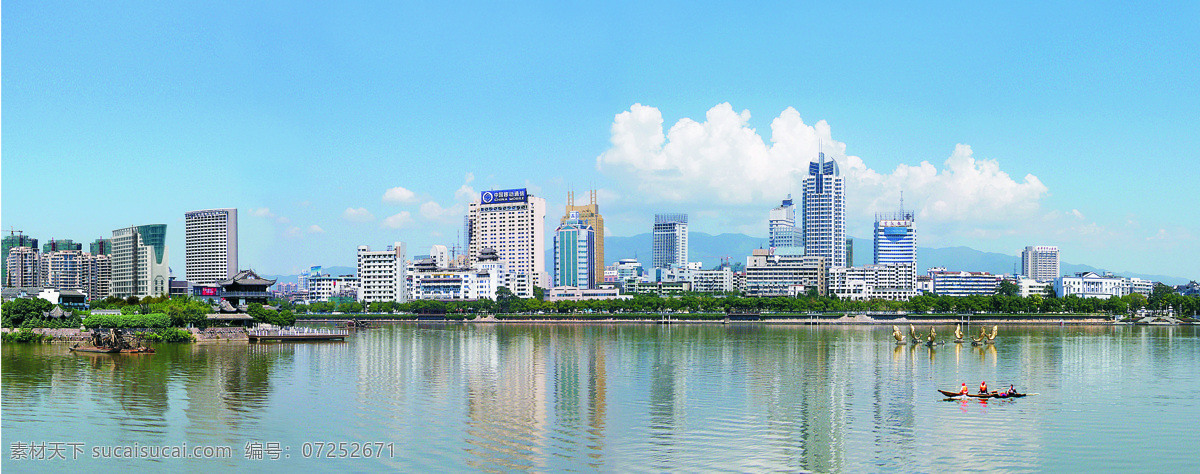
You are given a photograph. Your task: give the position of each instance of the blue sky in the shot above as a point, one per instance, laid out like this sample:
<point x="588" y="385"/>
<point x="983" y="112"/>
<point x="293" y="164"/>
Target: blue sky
<point x="1041" y="123"/>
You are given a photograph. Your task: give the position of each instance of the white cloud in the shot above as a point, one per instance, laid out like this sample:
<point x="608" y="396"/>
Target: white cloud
<point x="398" y="221"/>
<point x="315" y="229"/>
<point x="282" y="220"/>
<point x="723" y="163"/>
<point x="399" y="195"/>
<point x="357" y="215"/>
<point x="261" y="212"/>
<point x="465" y="194"/>
<point x="469" y="177"/>
<point x="435" y="212"/>
<point x="292" y="232"/>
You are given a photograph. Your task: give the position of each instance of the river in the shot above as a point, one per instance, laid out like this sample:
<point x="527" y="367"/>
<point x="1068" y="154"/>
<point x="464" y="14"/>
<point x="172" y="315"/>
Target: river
<point x="613" y="397"/>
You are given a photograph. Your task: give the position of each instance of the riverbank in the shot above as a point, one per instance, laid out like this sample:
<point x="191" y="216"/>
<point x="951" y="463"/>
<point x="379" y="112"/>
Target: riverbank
<point x="71" y="335"/>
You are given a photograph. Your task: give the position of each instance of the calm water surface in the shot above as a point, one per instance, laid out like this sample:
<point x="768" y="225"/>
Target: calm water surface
<point x="625" y="398"/>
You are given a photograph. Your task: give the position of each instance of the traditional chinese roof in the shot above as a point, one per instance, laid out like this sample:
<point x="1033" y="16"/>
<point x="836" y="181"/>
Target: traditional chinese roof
<point x="246" y="278"/>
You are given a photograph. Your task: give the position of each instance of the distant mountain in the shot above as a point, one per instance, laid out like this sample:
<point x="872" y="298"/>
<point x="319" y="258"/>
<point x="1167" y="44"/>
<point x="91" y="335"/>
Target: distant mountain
<point x="328" y="270"/>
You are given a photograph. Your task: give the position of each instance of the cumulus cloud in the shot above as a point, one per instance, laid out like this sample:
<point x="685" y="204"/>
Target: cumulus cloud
<point x="261" y="212"/>
<point x="722" y="162"/>
<point x="357" y="215"/>
<point x="399" y="221"/>
<point x="315" y="229"/>
<point x="399" y="195"/>
<point x="292" y="232"/>
<point x="282" y="220"/>
<point x="435" y="212"/>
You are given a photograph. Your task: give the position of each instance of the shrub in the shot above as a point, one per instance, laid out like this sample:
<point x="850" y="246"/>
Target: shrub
<point x="25" y="335"/>
<point x="156" y="320"/>
<point x="167" y="335"/>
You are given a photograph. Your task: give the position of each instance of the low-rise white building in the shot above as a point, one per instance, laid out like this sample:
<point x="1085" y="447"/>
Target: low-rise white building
<point x="892" y="281"/>
<point x="1093" y="285"/>
<point x="426" y="281"/>
<point x="323" y="287"/>
<point x="947" y="283"/>
<point x="571" y="293"/>
<point x="775" y="274"/>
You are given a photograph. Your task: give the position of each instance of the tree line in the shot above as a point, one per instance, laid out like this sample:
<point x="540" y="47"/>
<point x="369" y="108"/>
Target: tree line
<point x="1163" y="298"/>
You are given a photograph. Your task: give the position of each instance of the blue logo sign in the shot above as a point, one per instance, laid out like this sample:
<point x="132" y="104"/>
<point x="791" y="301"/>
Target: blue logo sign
<point x="503" y="196"/>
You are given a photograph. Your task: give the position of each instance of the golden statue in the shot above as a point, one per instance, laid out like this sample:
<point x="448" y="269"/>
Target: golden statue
<point x="897" y="334"/>
<point x="958" y="334"/>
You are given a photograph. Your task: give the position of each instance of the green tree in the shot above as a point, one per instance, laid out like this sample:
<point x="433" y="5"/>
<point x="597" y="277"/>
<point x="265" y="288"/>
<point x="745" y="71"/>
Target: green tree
<point x="20" y="310"/>
<point x="1008" y="288"/>
<point x="504" y="300"/>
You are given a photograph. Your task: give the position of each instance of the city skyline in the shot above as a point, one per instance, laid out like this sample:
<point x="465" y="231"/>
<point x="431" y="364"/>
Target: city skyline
<point x="329" y="128"/>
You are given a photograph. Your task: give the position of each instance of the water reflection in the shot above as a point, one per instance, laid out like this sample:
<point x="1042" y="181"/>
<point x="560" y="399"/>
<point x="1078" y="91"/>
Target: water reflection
<point x="746" y="397"/>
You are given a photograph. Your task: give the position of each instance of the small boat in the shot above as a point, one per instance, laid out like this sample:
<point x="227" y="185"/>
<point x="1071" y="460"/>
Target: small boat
<point x="992" y="394"/>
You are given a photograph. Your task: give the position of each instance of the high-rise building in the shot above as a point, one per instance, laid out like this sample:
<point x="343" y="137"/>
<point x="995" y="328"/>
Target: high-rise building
<point x="782" y="225"/>
<point x="100" y="247"/>
<point x="210" y="245"/>
<point x="512" y="222"/>
<point x="63" y="269"/>
<point x="590" y="214"/>
<point x="575" y="253"/>
<point x="140" y="262"/>
<point x="1040" y="263"/>
<point x="23" y="266"/>
<point x="824" y="219"/>
<point x="97" y="276"/>
<point x="56" y="245"/>
<point x="382" y="274"/>
<point x="10" y="242"/>
<point x="670" y="240"/>
<point x="896" y="242"/>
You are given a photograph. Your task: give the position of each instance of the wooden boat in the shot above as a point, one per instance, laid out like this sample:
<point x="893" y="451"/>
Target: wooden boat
<point x="102" y="350"/>
<point x="111" y="350"/>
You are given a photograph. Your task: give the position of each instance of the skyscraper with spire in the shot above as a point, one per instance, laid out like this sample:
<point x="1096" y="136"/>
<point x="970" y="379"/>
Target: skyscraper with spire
<point x="824" y="216"/>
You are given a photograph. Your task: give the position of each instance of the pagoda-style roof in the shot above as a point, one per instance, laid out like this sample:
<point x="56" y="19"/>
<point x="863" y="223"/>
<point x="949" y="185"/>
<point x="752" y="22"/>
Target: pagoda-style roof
<point x="246" y="278"/>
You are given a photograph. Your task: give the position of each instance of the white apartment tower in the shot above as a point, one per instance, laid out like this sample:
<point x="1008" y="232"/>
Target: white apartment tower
<point x="139" y="261"/>
<point x="670" y="240"/>
<point x="1040" y="263"/>
<point x="382" y="274"/>
<point x="824" y="219"/>
<point x="514" y="224"/>
<point x="782" y="225"/>
<point x="210" y="245"/>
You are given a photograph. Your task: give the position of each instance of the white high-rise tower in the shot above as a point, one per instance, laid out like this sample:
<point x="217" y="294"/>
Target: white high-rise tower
<point x="210" y="245"/>
<point x="824" y="219"/>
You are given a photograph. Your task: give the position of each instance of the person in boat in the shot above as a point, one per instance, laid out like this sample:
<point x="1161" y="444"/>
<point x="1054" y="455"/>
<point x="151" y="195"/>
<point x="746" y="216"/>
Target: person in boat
<point x="1011" y="390"/>
<point x="964" y="389"/>
<point x="983" y="388"/>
